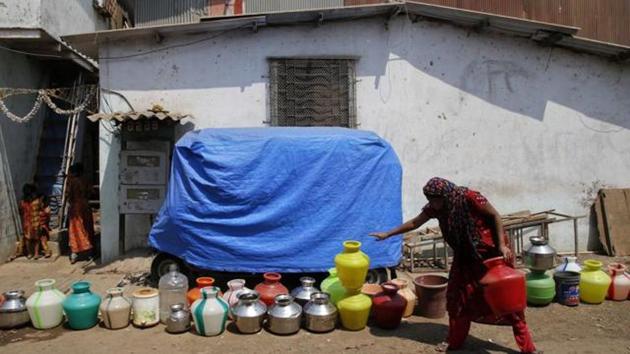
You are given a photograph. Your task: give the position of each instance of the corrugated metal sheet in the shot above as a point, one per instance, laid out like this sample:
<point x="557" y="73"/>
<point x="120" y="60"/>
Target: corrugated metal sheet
<point x="264" y="6"/>
<point x="163" y="12"/>
<point x="602" y="20"/>
<point x="124" y="116"/>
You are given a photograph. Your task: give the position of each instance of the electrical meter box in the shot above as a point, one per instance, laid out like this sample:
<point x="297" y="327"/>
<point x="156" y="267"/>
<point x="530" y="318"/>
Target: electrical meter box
<point x="142" y="167"/>
<point x="141" y="199"/>
<point x="143" y="181"/>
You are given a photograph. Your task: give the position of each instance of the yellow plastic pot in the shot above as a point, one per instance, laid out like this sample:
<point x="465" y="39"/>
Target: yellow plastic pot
<point x="352" y="265"/>
<point x="354" y="310"/>
<point x="594" y="282"/>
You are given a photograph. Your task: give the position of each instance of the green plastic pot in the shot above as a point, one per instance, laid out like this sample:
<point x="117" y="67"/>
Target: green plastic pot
<point x="541" y="289"/>
<point x="81" y="307"/>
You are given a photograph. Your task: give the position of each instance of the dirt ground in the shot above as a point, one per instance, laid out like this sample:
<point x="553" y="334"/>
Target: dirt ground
<point x="601" y="328"/>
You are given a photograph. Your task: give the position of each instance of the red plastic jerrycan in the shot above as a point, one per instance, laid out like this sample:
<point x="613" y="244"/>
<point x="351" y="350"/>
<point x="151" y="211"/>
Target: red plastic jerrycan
<point x="503" y="287"/>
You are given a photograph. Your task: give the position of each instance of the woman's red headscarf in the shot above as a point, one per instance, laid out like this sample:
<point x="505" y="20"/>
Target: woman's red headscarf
<point x="460" y="232"/>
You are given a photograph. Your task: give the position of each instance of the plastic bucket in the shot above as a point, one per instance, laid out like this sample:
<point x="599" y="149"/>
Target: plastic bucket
<point x="567" y="288"/>
<point x="431" y="292"/>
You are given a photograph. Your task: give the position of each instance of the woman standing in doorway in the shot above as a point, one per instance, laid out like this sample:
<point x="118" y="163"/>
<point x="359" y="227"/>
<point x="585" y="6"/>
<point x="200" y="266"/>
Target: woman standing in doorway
<point x="473" y="229"/>
<point x="81" y="225"/>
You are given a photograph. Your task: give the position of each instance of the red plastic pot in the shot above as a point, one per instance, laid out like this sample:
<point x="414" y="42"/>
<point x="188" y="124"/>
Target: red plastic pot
<point x="388" y="307"/>
<point x="270" y="287"/>
<point x="504" y="287"/>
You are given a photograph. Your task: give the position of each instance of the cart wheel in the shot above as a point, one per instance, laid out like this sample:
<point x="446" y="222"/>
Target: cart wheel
<point x="162" y="262"/>
<point x="376" y="276"/>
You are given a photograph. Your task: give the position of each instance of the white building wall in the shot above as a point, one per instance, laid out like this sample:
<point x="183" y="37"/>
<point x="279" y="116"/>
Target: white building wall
<point x="57" y="17"/>
<point x="530" y="127"/>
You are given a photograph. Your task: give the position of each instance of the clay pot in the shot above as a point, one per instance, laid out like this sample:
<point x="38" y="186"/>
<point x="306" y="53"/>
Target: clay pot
<point x="504" y="288"/>
<point x="369" y="290"/>
<point x="431" y="291"/>
<point x="270" y="287"/>
<point x="115" y="309"/>
<point x="389" y="307"/>
<point x="408" y="294"/>
<point x="195" y="293"/>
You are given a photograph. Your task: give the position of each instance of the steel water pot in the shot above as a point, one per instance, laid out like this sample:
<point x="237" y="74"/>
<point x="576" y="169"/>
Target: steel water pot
<point x="302" y="294"/>
<point x="179" y="319"/>
<point x="320" y="314"/>
<point x="539" y="256"/>
<point x="285" y="316"/>
<point x="13" y="312"/>
<point x="249" y="312"/>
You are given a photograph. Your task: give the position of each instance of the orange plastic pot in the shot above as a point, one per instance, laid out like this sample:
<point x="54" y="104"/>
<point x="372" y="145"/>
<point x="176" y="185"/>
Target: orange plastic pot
<point x="195" y="293"/>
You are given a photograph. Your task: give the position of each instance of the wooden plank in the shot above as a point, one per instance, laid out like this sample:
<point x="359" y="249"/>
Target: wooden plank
<point x="601" y="228"/>
<point x="617" y="220"/>
<point x="525" y="220"/>
<point x="517" y="214"/>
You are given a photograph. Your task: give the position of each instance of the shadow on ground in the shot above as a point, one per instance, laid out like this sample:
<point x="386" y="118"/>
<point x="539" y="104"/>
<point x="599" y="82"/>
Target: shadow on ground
<point x="434" y="334"/>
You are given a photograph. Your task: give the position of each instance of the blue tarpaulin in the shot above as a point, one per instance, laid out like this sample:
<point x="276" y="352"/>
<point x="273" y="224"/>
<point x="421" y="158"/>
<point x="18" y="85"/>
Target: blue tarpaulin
<point x="279" y="199"/>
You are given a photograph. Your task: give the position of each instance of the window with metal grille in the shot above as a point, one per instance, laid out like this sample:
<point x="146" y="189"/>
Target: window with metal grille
<point x="312" y="92"/>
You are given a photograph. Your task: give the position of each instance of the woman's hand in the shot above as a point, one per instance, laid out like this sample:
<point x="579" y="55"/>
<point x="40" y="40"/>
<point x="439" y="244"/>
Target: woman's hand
<point x="380" y="236"/>
<point x="508" y="256"/>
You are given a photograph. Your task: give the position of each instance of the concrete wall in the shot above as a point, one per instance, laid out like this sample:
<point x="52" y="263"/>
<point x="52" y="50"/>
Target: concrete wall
<point x="531" y="127"/>
<point x="57" y="17"/>
<point x="66" y="17"/>
<point x="21" y="141"/>
<point x="19" y="13"/>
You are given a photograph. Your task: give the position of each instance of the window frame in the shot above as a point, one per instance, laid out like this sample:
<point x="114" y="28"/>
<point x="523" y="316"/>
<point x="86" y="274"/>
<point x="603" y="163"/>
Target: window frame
<point x="274" y="117"/>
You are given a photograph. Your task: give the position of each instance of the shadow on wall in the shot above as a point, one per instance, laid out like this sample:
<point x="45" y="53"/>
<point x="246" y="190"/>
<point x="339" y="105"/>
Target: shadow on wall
<point x="512" y="73"/>
<point x="593" y="243"/>
<point x="517" y="74"/>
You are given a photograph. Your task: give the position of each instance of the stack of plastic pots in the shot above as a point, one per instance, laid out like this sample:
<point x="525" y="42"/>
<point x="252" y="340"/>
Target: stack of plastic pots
<point x="540" y="257"/>
<point x="352" y="267"/>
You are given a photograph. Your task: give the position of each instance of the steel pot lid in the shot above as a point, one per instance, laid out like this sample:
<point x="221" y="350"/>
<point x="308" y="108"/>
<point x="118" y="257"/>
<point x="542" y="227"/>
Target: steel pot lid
<point x="537" y="240"/>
